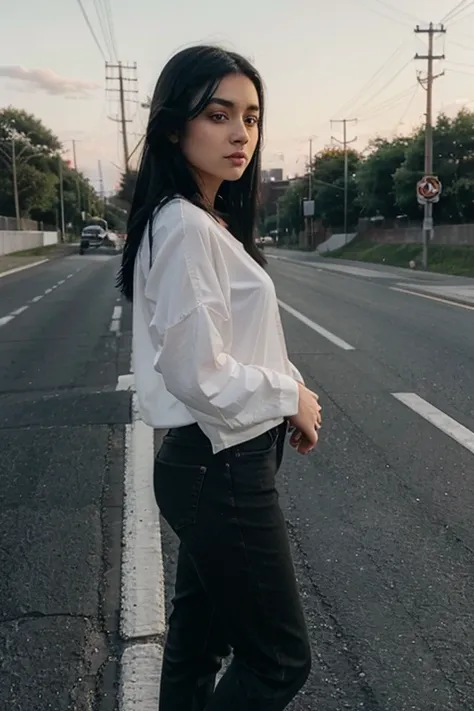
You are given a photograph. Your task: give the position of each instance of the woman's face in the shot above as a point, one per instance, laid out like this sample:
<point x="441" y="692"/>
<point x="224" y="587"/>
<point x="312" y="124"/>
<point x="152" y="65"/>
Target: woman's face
<point x="220" y="142"/>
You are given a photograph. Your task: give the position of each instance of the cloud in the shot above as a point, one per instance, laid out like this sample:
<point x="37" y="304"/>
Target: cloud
<point x="47" y="81"/>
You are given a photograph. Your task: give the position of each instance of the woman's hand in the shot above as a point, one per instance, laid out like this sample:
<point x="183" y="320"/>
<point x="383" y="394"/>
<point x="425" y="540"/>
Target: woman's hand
<point x="306" y="422"/>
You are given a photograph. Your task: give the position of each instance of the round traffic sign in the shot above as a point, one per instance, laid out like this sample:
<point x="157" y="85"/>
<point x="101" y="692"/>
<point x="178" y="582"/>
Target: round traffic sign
<point x="428" y="189"/>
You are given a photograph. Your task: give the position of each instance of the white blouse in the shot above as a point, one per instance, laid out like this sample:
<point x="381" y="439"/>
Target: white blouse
<point x="208" y="344"/>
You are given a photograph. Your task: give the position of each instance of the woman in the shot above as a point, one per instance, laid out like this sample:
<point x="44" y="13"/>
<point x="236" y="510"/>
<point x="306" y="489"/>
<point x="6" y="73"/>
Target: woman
<point x="211" y="367"/>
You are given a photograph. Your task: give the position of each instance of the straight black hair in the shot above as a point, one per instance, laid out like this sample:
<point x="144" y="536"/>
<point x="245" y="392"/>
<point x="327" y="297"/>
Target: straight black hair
<point x="185" y="87"/>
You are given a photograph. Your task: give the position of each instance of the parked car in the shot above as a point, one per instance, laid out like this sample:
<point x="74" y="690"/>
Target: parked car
<point x="95" y="236"/>
<point x="92" y="236"/>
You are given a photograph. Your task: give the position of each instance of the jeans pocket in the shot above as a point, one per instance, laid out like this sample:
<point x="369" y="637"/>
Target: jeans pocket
<point x="259" y="446"/>
<point x="178" y="489"/>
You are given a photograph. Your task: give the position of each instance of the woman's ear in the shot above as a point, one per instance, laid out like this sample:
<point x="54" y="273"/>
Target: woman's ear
<point x="173" y="137"/>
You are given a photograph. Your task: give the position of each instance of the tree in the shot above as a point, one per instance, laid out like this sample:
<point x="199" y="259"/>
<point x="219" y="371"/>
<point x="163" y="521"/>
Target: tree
<point x="328" y="187"/>
<point x="375" y="176"/>
<point x="453" y="163"/>
<point x="291" y="213"/>
<point x="127" y="187"/>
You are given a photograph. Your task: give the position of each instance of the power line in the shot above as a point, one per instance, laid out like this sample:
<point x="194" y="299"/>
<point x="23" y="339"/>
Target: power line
<point x="353" y="101"/>
<point x="103" y="25"/>
<point x="91" y="29"/>
<point x="110" y="21"/>
<point x="411" y="17"/>
<point x="388" y="17"/>
<point x="462" y="18"/>
<point x="457" y="11"/>
<point x="391" y="80"/>
<point x="453" y="10"/>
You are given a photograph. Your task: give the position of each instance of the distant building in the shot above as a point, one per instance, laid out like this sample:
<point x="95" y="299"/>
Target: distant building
<point x="272" y="175"/>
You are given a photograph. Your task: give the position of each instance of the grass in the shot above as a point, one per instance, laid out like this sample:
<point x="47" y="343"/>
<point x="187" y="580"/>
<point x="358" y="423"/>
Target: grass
<point x="49" y="250"/>
<point x="458" y="261"/>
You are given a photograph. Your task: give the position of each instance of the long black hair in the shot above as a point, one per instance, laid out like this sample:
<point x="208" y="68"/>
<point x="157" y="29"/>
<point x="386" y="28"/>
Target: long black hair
<point x="185" y="87"/>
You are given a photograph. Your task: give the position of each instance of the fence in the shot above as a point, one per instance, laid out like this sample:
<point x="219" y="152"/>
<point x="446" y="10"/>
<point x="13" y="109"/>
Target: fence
<point x="11" y="223"/>
<point x="453" y="235"/>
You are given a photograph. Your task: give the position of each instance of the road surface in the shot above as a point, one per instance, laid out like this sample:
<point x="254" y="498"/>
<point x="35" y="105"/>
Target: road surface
<point x="380" y="516"/>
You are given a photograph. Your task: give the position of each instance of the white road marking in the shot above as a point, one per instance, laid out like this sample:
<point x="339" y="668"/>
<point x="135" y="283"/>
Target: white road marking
<point x="19" y="311"/>
<point x="140" y="678"/>
<point x="142" y="599"/>
<point x="341" y="268"/>
<point x="126" y="382"/>
<point x="438" y="418"/>
<point x="433" y="298"/>
<point x="25" y="266"/>
<point x="317" y="328"/>
<point x="115" y="323"/>
<point x="6" y="319"/>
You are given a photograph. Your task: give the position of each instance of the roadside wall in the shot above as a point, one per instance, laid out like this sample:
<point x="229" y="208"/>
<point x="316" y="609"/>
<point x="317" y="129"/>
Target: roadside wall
<point x="18" y="241"/>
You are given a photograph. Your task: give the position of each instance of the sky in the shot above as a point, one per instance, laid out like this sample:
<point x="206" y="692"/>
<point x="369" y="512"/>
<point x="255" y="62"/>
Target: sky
<point x="320" y="60"/>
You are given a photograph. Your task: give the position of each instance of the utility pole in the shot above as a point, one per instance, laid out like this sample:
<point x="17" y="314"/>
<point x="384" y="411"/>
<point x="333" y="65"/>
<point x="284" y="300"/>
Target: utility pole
<point x="61" y="198"/>
<point x="102" y="191"/>
<point x="427" y="84"/>
<point x="345" y="143"/>
<point x="125" y="77"/>
<point x="15" y="187"/>
<point x="78" y="187"/>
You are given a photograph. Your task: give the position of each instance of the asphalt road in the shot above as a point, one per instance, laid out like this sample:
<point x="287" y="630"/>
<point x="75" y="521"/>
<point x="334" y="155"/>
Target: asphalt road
<point x="61" y="475"/>
<point x="380" y="515"/>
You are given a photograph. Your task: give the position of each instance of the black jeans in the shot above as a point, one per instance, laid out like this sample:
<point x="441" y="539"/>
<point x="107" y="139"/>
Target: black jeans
<point x="235" y="582"/>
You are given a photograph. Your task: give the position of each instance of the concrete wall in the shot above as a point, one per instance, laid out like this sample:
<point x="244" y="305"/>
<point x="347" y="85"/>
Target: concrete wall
<point x="453" y="235"/>
<point x="17" y="241"/>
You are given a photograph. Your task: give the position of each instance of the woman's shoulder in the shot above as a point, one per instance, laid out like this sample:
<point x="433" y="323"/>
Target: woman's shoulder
<point x="179" y="214"/>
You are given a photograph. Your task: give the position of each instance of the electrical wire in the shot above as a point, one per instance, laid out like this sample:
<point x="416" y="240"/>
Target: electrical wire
<point x="103" y="26"/>
<point x="91" y="29"/>
<point x="110" y="21"/>
<point x="397" y="11"/>
<point x="390" y="81"/>
<point x="463" y="18"/>
<point x="354" y="100"/>
<point x="384" y="106"/>
<point x="453" y="11"/>
<point x="459" y="15"/>
<point x="407" y="108"/>
<point x="404" y="23"/>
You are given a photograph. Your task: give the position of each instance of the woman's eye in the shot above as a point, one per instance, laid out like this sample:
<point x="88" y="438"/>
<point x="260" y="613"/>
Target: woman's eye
<point x="252" y="120"/>
<point x="218" y="117"/>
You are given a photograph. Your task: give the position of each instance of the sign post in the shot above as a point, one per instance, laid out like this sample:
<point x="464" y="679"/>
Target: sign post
<point x="428" y="191"/>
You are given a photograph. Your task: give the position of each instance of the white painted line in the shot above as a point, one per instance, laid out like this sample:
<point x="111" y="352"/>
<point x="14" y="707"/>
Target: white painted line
<point x="117" y="314"/>
<point x="317" y="328"/>
<point x="140" y="678"/>
<point x="6" y="319"/>
<point x="19" y="311"/>
<point x="438" y="418"/>
<point x="69" y="276"/>
<point x="25" y="266"/>
<point x="37" y="298"/>
<point x="126" y="382"/>
<point x="48" y="291"/>
<point x="142" y="598"/>
<point x="115" y="326"/>
<point x="61" y="282"/>
<point x="433" y="298"/>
